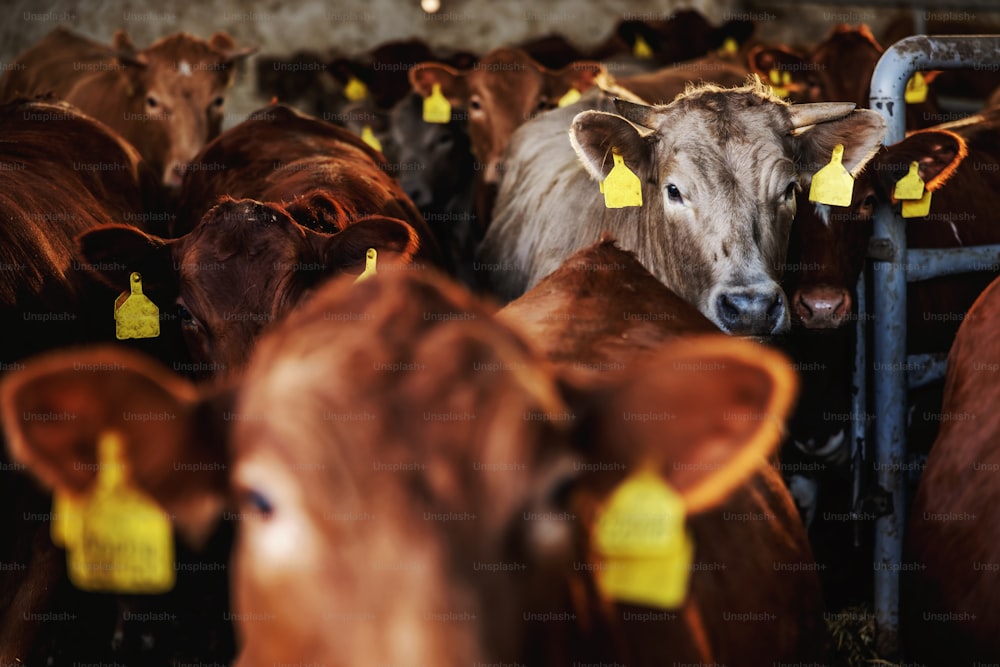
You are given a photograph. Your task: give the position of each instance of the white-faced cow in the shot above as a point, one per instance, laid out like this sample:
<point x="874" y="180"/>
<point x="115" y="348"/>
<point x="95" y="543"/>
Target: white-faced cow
<point x="719" y="170"/>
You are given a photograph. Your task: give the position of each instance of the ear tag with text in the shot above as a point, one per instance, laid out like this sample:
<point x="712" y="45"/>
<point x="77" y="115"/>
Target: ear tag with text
<point x="917" y="208"/>
<point x="621" y="187"/>
<point x="126" y="543"/>
<point x="135" y="315"/>
<point x="916" y="89"/>
<point x="369" y="138"/>
<point x="371" y="259"/>
<point x="641" y="538"/>
<point x="437" y="108"/>
<point x="355" y="89"/>
<point x="833" y="184"/>
<point x="641" y="49"/>
<point x="910" y="186"/>
<point x="571" y="96"/>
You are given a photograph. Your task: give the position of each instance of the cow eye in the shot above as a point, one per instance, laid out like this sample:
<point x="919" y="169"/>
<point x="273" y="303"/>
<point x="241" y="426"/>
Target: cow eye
<point x="790" y="191"/>
<point x="543" y="104"/>
<point x="218" y="101"/>
<point x="255" y="502"/>
<point x="475" y="104"/>
<point x="152" y="102"/>
<point x="187" y="319"/>
<point x="673" y="193"/>
<point x="445" y="140"/>
<point x="867" y="205"/>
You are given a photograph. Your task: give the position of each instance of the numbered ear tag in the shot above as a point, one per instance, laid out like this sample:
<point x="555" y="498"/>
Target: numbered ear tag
<point x="571" y="96"/>
<point x="437" y="108"/>
<point x="355" y="89"/>
<point x="833" y="184"/>
<point x="730" y="46"/>
<point x="369" y="138"/>
<point x="371" y="259"/>
<point x="641" y="49"/>
<point x="917" y="208"/>
<point x="67" y="520"/>
<point x="126" y="541"/>
<point x="641" y="538"/>
<point x="910" y="186"/>
<point x="916" y="89"/>
<point x="135" y="315"/>
<point x="621" y="187"/>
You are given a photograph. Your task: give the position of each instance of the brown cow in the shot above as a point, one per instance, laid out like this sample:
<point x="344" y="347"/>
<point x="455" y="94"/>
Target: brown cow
<point x="662" y="86"/>
<point x="409" y="472"/>
<point x="953" y="544"/>
<point x="718" y="169"/>
<point x="281" y="202"/>
<point x="167" y="99"/>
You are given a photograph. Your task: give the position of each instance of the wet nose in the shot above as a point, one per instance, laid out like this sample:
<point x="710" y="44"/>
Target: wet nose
<point x="752" y="311"/>
<point x="822" y="307"/>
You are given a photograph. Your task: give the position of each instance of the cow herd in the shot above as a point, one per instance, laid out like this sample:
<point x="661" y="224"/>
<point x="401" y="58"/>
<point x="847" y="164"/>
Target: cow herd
<point x="531" y="357"/>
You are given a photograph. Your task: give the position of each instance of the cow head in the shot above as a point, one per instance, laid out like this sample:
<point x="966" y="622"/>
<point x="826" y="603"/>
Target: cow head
<point x="500" y="92"/>
<point x="177" y="89"/>
<point x="243" y="266"/>
<point x="411" y="479"/>
<point x="830" y="243"/>
<point x="720" y="169"/>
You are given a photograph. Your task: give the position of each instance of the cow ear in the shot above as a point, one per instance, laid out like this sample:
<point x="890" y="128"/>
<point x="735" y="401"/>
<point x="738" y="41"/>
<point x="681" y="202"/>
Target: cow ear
<point x="581" y="75"/>
<point x="763" y="59"/>
<point x="595" y="135"/>
<point x="938" y="152"/>
<point x="453" y="83"/>
<point x="125" y="51"/>
<point x="861" y="133"/>
<point x="396" y="242"/>
<point x="112" y="252"/>
<point x="704" y="414"/>
<point x="55" y="409"/>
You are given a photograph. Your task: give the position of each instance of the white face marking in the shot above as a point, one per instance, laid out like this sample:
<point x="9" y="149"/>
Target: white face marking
<point x="823" y="212"/>
<point x="954" y="232"/>
<point x="184" y="67"/>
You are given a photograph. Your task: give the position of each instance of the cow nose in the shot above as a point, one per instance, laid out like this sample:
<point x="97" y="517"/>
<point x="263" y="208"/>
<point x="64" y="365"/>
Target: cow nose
<point x="752" y="312"/>
<point x="419" y="194"/>
<point x="822" y="307"/>
<point x="174" y="175"/>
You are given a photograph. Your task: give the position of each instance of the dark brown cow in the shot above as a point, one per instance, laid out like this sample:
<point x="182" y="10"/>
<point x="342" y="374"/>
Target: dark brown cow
<point x="839" y="69"/>
<point x="952" y="562"/>
<point x="662" y="86"/>
<point x="167" y="99"/>
<point x="400" y="460"/>
<point x="281" y="201"/>
<point x="500" y="92"/>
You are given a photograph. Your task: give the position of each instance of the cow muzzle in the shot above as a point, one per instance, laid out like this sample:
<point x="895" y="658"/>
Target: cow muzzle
<point x="757" y="310"/>
<point x="822" y="307"/>
<point x="173" y="175"/>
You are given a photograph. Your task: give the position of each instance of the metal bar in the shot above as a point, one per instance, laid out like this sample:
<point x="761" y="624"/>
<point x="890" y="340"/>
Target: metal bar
<point x="923" y="264"/>
<point x="894" y="69"/>
<point x="859" y="404"/>
<point x="923" y="369"/>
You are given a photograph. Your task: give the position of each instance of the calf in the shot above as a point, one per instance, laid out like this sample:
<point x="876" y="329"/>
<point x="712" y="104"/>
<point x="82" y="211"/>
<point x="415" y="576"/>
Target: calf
<point x="718" y="195"/>
<point x="290" y="201"/>
<point x="167" y="100"/>
<point x="953" y="543"/>
<point x="400" y="459"/>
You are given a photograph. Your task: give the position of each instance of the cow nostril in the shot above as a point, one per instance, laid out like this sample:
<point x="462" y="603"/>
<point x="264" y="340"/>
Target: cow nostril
<point x="776" y="309"/>
<point x="729" y="310"/>
<point x="802" y="307"/>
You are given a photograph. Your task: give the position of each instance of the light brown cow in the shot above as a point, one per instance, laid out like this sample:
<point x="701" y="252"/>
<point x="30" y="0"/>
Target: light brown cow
<point x="167" y="99"/>
<point x="718" y="171"/>
<point x="416" y="487"/>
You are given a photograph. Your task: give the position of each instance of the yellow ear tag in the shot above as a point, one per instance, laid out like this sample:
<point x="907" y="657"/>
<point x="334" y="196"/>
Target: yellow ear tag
<point x="135" y="315"/>
<point x="640" y="536"/>
<point x="371" y="259"/>
<point x="833" y="184"/>
<point x="369" y="138"/>
<point x="355" y="89"/>
<point x="775" y="76"/>
<point x="571" y="96"/>
<point x="621" y="188"/>
<point x="777" y="87"/>
<point x="910" y="186"/>
<point x="437" y="108"/>
<point x="641" y="49"/>
<point x="67" y="520"/>
<point x="917" y="208"/>
<point x="916" y="89"/>
<point x="126" y="545"/>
